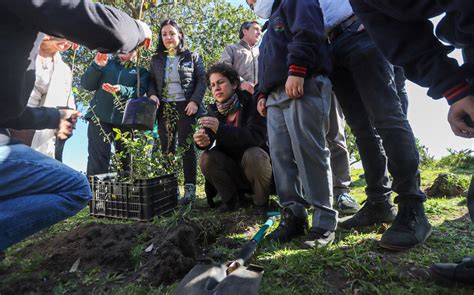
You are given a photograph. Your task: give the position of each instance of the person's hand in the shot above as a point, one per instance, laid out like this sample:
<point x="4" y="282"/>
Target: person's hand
<point x="191" y="108"/>
<point x="111" y="88"/>
<point x="67" y="123"/>
<point x="156" y="100"/>
<point x="210" y="122"/>
<point x="247" y="86"/>
<point x="201" y="138"/>
<point x="261" y="108"/>
<point x="101" y="59"/>
<point x="456" y="114"/>
<point x="294" y="86"/>
<point x="148" y="34"/>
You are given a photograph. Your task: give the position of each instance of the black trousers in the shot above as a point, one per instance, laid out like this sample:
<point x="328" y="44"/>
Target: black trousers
<point x="184" y="129"/>
<point x="99" y="148"/>
<point x="59" y="149"/>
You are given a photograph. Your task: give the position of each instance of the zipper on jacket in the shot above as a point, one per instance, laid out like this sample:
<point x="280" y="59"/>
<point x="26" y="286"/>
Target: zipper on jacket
<point x="255" y="78"/>
<point x="119" y="75"/>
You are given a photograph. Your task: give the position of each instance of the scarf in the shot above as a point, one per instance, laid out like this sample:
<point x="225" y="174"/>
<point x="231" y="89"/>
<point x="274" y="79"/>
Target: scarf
<point x="230" y="106"/>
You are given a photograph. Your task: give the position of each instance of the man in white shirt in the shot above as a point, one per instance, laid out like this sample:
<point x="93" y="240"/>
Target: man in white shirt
<point x="53" y="88"/>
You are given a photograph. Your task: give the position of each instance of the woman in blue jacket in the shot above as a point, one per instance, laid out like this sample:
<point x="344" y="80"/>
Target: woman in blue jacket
<point x="108" y="76"/>
<point x="177" y="78"/>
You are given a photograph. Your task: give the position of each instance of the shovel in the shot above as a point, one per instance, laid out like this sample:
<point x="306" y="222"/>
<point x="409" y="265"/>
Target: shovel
<point x="227" y="278"/>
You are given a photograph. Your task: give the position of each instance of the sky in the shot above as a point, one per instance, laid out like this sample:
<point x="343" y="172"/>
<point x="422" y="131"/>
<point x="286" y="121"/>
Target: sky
<point x="427" y="117"/>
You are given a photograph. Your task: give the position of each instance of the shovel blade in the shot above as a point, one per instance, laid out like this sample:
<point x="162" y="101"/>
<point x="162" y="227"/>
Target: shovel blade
<point x="204" y="279"/>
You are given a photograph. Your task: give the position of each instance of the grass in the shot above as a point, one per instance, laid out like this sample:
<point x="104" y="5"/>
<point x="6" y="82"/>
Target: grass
<point x="353" y="264"/>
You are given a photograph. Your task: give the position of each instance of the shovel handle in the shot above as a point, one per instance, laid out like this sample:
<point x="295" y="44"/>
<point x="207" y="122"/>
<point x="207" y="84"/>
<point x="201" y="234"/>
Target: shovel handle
<point x="249" y="249"/>
<point x="261" y="232"/>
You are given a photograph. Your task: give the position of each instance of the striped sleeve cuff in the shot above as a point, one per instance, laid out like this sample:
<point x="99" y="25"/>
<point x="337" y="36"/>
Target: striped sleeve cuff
<point x="457" y="92"/>
<point x="295" y="70"/>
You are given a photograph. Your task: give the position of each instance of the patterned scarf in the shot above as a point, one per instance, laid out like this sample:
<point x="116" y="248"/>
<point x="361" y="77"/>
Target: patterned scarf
<point x="230" y="106"/>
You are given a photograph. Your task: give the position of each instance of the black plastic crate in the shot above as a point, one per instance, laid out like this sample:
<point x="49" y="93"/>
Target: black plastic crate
<point x="140" y="200"/>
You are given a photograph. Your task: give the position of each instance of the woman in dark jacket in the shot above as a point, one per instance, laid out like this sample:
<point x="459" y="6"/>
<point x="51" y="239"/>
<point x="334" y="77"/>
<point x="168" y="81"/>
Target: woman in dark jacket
<point x="234" y="137"/>
<point x="177" y="79"/>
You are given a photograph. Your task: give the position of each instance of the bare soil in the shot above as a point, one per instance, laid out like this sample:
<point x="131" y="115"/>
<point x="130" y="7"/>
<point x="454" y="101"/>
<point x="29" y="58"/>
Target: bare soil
<point x="116" y="253"/>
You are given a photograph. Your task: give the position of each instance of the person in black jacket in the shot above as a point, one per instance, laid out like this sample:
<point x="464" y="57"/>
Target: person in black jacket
<point x="364" y="83"/>
<point x="236" y="157"/>
<point x="37" y="191"/>
<point x="403" y="32"/>
<point x="177" y="81"/>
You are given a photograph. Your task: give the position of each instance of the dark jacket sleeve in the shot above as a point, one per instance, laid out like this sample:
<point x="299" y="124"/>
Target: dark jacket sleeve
<point x="34" y="118"/>
<point x="306" y="24"/>
<point x="90" y="80"/>
<point x="411" y="44"/>
<point x="152" y="83"/>
<point x="91" y="24"/>
<point x="200" y="78"/>
<point x="242" y="138"/>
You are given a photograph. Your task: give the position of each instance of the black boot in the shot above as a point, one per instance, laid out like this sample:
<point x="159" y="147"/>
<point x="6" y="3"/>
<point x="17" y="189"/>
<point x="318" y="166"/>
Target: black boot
<point x="372" y="212"/>
<point x="410" y="227"/>
<point x="451" y="274"/>
<point x="294" y="223"/>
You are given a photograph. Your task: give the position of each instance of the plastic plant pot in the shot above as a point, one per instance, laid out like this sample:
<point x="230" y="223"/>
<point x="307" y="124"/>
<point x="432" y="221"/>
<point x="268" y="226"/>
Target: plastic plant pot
<point x="140" y="113"/>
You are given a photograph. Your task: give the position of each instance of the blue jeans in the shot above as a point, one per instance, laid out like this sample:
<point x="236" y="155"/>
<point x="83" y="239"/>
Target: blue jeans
<point x="365" y="87"/>
<point x="35" y="192"/>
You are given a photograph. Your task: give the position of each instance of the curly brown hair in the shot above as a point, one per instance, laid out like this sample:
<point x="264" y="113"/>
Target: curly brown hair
<point x="226" y="71"/>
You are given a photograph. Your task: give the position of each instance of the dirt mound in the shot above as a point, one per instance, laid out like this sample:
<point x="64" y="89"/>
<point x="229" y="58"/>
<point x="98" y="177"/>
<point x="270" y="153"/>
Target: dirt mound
<point x="107" y="247"/>
<point x="447" y="185"/>
<point x="173" y="256"/>
<point x="107" y="256"/>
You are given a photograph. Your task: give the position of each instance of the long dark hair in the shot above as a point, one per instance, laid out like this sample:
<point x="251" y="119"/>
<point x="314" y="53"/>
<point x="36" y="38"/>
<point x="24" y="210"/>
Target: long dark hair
<point x="161" y="46"/>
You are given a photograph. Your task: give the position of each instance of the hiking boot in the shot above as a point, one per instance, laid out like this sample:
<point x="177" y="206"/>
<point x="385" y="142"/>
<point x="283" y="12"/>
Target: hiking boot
<point x="319" y="238"/>
<point x="293" y="223"/>
<point x="346" y="204"/>
<point x="189" y="194"/>
<point x="453" y="273"/>
<point x="410" y="228"/>
<point x="371" y="213"/>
